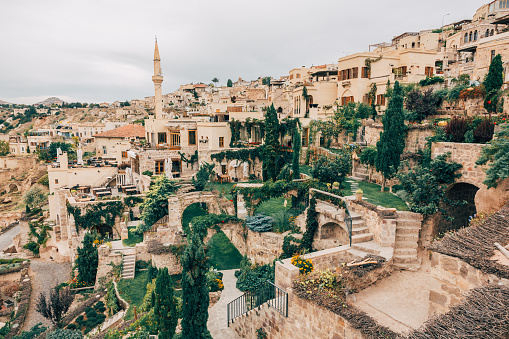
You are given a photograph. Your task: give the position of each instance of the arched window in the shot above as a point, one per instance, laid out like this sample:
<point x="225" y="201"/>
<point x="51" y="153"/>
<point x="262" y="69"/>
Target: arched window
<point x="466" y="38"/>
<point x="487" y="33"/>
<point x="475" y="36"/>
<point x="492" y="32"/>
<point x="470" y="37"/>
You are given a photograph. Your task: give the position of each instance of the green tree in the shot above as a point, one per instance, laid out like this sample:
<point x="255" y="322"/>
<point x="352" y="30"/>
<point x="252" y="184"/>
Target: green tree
<point x="392" y="139"/>
<point x="54" y="307"/>
<point x="311" y="226"/>
<point x="493" y="82"/>
<point x="155" y="203"/>
<point x="38" y="236"/>
<point x="64" y="334"/>
<point x="271" y="148"/>
<point x="51" y="153"/>
<point x="229" y="83"/>
<point x="195" y="290"/>
<point x="497" y="155"/>
<point x="4" y="148"/>
<point x="203" y="176"/>
<point x="372" y="97"/>
<point x="305" y="95"/>
<point x="87" y="260"/>
<point x="35" y="197"/>
<point x="296" y="154"/>
<point x="332" y="170"/>
<point x="215" y="81"/>
<point x="165" y="305"/>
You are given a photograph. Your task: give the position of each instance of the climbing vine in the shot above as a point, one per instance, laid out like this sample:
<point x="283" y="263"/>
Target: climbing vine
<point x="235" y="127"/>
<point x="250" y="123"/>
<point x="191" y="160"/>
<point x="244" y="155"/>
<point x="368" y="63"/>
<point x="288" y="126"/>
<point x="95" y="214"/>
<point x="311" y="226"/>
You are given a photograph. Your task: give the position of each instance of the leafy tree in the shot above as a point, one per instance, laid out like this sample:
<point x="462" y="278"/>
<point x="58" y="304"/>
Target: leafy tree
<point x="497" y="155"/>
<point x="155" y="203"/>
<point x="266" y="81"/>
<point x="229" y="83"/>
<point x="51" y="153"/>
<point x="111" y="300"/>
<point x="296" y="154"/>
<point x="215" y="81"/>
<point x="311" y="226"/>
<point x="493" y="82"/>
<point x="203" y="176"/>
<point x="372" y="97"/>
<point x="64" y="334"/>
<point x="332" y="170"/>
<point x="271" y="148"/>
<point x="4" y="148"/>
<point x="195" y="290"/>
<point x="35" y="197"/>
<point x="422" y="104"/>
<point x="54" y="307"/>
<point x="38" y="235"/>
<point x="34" y="332"/>
<point x="368" y="157"/>
<point x="165" y="305"/>
<point x="426" y="183"/>
<point x="87" y="260"/>
<point x="392" y="139"/>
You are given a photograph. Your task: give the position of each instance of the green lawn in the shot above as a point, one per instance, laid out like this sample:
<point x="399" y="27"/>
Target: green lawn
<point x="225" y="188"/>
<point x="134" y="238"/>
<point x="190" y="212"/>
<point x="222" y="253"/>
<point x="133" y="291"/>
<point x="306" y="169"/>
<point x="373" y="195"/>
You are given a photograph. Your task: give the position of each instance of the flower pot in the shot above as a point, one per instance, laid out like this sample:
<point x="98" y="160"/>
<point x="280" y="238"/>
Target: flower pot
<point x="358" y="196"/>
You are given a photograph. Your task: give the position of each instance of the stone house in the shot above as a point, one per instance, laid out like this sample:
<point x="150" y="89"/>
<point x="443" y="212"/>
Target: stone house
<point x="114" y="144"/>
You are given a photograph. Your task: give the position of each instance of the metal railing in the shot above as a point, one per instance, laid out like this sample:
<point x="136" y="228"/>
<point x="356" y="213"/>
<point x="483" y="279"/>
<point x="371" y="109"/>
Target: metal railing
<point x="269" y="294"/>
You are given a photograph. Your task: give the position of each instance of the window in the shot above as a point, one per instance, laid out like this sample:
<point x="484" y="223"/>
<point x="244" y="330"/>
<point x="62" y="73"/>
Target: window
<point x="355" y="72"/>
<point x="492" y="54"/>
<point x="365" y="73"/>
<point x="346" y="100"/>
<point x="380" y="100"/>
<point x="305" y="137"/>
<point x="159" y="167"/>
<point x="428" y="71"/>
<point x="161" y="138"/>
<point x="175" y="139"/>
<point x="124" y="154"/>
<point x="175" y="166"/>
<point x="465" y="40"/>
<point x="192" y="137"/>
<point x="221" y="141"/>
<point x="56" y="181"/>
<point x="104" y="150"/>
<point x="298" y="76"/>
<point x="223" y="169"/>
<point x="413" y="44"/>
<point x="291" y="76"/>
<point x="475" y="36"/>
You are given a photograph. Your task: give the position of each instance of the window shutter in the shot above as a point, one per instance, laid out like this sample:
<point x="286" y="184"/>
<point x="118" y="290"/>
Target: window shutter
<point x="355" y="72"/>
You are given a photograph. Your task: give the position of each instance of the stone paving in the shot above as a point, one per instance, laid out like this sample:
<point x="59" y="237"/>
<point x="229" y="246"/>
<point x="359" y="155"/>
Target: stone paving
<point x="218" y="323"/>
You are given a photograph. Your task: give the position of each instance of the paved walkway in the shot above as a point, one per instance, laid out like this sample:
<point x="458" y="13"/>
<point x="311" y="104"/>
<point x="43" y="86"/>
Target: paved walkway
<point x="6" y="238"/>
<point x="218" y="323"/>
<point x="45" y="276"/>
<point x="401" y="301"/>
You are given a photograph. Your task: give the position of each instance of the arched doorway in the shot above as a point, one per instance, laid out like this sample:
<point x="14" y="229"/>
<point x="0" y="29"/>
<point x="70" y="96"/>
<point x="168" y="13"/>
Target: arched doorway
<point x="460" y="213"/>
<point x="332" y="230"/>
<point x="104" y="230"/>
<point x="194" y="210"/>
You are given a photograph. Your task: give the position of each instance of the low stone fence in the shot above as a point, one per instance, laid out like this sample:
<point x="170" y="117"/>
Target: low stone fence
<point x="15" y="269"/>
<point x="305" y="320"/>
<point x="454" y="278"/>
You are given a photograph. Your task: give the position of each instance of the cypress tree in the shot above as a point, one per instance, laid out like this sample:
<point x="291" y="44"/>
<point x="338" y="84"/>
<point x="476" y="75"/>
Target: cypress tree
<point x="195" y="291"/>
<point x="165" y="309"/>
<point x="296" y="154"/>
<point x="392" y="139"/>
<point x="311" y="226"/>
<point x="229" y="83"/>
<point x="87" y="260"/>
<point x="272" y="146"/>
<point x="493" y="82"/>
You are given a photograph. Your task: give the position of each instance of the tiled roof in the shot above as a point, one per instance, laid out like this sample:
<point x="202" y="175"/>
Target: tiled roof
<point x="131" y="131"/>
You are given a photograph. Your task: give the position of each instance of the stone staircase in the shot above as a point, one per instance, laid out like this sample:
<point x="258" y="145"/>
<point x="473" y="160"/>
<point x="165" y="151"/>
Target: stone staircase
<point x="408" y="226"/>
<point x="360" y="250"/>
<point x="360" y="232"/>
<point x="360" y="173"/>
<point x="129" y="265"/>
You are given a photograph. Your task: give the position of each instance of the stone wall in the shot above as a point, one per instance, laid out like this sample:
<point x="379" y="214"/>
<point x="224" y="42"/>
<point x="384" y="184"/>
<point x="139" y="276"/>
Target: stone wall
<point x="453" y="278"/>
<point x="380" y="221"/>
<point x="106" y="257"/>
<point x="167" y="260"/>
<point x="305" y="320"/>
<point x="416" y="136"/>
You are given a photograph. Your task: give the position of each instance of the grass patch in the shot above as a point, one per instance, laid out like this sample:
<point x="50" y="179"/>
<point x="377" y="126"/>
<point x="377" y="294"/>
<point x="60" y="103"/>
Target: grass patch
<point x="134" y="238"/>
<point x="225" y="187"/>
<point x="133" y="291"/>
<point x="194" y="210"/>
<point x="223" y="255"/>
<point x="373" y="195"/>
<point x="306" y="169"/>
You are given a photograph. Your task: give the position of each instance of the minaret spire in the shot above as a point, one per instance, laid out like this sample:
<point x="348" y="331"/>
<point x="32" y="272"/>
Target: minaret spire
<point x="158" y="80"/>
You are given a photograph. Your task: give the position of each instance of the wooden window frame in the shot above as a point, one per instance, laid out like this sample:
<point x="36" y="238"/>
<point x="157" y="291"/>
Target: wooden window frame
<point x="159" y="167"/>
<point x="221" y="141"/>
<point x="189" y="137"/>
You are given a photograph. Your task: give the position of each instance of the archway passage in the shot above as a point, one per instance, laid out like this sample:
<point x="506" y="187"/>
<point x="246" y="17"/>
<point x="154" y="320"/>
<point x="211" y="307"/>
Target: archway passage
<point x="334" y="231"/>
<point x="104" y="230"/>
<point x="194" y="210"/>
<point x="461" y="213"/>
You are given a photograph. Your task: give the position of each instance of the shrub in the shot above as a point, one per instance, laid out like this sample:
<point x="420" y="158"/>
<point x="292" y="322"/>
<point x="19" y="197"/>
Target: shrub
<point x="484" y="131"/>
<point x="456" y="129"/>
<point x="473" y="92"/>
<point x="431" y="81"/>
<point x="64" y="334"/>
<point x="305" y="266"/>
<point x="260" y="223"/>
<point x="335" y="170"/>
<point x="149" y="173"/>
<point x="34" y="332"/>
<point x="454" y="93"/>
<point x="253" y="278"/>
<point x="283" y="221"/>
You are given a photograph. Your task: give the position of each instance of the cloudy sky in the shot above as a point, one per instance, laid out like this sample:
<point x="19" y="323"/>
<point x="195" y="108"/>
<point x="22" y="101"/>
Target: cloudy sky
<point x="95" y="51"/>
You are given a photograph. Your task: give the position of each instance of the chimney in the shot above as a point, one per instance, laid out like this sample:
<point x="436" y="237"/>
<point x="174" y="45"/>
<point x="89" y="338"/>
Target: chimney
<point x="63" y="161"/>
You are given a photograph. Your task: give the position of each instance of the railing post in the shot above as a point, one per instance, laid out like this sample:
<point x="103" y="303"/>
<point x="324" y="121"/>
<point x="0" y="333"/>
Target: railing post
<point x="228" y="313"/>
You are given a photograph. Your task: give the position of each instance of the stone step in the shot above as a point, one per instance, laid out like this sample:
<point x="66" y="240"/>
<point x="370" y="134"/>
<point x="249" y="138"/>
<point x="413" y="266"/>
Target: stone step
<point x="402" y="215"/>
<point x="410" y="223"/>
<point x="407" y="267"/>
<point x="370" y="247"/>
<point x="406" y="259"/>
<point x="358" y="223"/>
<point x="405" y="251"/>
<point x="357" y="254"/>
<point x="406" y="244"/>
<point x="361" y="175"/>
<point x="362" y="238"/>
<point x="360" y="230"/>
<point x="407" y="237"/>
<point x="407" y="230"/>
<point x="355" y="216"/>
<point x="356" y="178"/>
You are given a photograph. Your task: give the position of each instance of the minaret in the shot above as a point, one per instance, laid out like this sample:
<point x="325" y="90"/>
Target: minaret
<point x="158" y="80"/>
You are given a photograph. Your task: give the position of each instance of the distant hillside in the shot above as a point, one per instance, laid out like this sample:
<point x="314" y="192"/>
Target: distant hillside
<point x="48" y="101"/>
<point x="4" y="103"/>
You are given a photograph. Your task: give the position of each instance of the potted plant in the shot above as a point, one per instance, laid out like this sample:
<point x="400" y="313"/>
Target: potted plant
<point x="335" y="185"/>
<point x="358" y="195"/>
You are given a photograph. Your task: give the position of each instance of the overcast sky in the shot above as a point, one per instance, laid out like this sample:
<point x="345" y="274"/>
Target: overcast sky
<point x="96" y="51"/>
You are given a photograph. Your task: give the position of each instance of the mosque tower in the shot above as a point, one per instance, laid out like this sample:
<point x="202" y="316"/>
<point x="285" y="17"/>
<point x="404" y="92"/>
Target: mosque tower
<point x="158" y="80"/>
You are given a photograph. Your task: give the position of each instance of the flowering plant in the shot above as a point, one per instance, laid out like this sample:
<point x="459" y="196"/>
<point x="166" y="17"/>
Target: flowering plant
<point x="305" y="266"/>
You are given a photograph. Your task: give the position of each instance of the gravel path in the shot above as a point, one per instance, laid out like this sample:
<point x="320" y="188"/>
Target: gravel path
<point x="218" y="324"/>
<point x="45" y="276"/>
<point x="6" y="238"/>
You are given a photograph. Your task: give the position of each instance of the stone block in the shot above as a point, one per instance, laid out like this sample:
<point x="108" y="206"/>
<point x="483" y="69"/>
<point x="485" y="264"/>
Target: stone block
<point x="450" y="264"/>
<point x="437" y="298"/>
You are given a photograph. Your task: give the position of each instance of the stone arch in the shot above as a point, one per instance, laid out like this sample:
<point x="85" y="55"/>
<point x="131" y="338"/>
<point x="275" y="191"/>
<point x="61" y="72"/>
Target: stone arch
<point x="103" y="229"/>
<point x="58" y="220"/>
<point x="334" y="230"/>
<point x="461" y="214"/>
<point x="12" y="187"/>
<point x="280" y="109"/>
<point x="178" y="203"/>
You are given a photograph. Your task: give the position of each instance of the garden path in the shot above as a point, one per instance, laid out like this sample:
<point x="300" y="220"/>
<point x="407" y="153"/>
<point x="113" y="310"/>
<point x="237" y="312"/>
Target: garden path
<point x="218" y="323"/>
<point x="45" y="276"/>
